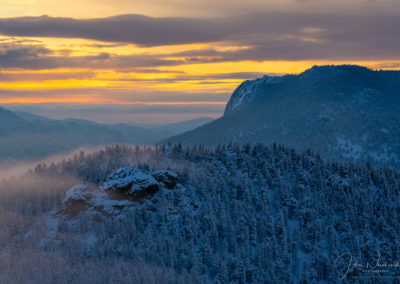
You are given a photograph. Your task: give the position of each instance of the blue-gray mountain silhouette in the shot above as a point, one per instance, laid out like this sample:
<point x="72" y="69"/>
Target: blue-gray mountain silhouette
<point x="344" y="112"/>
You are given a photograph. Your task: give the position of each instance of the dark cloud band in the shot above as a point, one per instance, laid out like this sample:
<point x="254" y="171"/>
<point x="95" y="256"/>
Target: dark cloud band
<point x="136" y="29"/>
<point x="145" y="30"/>
<point x="284" y="36"/>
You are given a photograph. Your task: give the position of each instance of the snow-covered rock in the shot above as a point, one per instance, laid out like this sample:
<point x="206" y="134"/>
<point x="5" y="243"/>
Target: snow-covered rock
<point x="85" y="197"/>
<point x="168" y="178"/>
<point x="121" y="189"/>
<point x="133" y="182"/>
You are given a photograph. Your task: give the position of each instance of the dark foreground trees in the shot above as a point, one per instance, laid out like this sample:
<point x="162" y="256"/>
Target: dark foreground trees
<point x="251" y="214"/>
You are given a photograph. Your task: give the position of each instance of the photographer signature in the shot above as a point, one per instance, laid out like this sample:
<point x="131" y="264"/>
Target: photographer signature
<point x="344" y="270"/>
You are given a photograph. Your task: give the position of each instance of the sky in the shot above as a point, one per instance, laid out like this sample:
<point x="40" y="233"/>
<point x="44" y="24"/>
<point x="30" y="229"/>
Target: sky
<point x="161" y="61"/>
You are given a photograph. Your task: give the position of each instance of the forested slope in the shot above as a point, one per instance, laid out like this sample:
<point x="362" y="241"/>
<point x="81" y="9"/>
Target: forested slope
<point x="248" y="214"/>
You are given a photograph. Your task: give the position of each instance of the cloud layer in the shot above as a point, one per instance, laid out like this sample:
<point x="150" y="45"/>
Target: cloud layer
<point x="181" y="65"/>
<point x="270" y="36"/>
<point x="192" y="8"/>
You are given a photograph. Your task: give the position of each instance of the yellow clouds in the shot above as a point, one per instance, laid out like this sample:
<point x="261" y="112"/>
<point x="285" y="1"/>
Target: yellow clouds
<point x="182" y="53"/>
<point x="89" y="71"/>
<point x="193" y="8"/>
<point x="76" y="64"/>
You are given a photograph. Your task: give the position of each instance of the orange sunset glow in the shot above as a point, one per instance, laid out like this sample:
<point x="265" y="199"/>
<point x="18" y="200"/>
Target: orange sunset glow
<point x="185" y="64"/>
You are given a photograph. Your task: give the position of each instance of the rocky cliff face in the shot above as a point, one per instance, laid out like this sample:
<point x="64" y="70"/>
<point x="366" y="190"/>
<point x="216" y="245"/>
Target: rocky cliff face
<point x="247" y="93"/>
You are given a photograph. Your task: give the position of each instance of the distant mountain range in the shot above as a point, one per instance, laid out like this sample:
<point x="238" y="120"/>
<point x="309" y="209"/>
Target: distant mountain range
<point x="344" y="112"/>
<point x="28" y="136"/>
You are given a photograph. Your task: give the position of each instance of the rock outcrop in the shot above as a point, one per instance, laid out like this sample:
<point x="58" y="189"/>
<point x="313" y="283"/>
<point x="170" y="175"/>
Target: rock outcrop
<point x="133" y="183"/>
<point x="85" y="197"/>
<point x="122" y="188"/>
<point x="168" y="178"/>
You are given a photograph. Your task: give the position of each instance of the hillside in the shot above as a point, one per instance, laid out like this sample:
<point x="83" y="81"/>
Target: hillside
<point x="181" y="127"/>
<point x="346" y="112"/>
<point x="25" y="136"/>
<point x="174" y="215"/>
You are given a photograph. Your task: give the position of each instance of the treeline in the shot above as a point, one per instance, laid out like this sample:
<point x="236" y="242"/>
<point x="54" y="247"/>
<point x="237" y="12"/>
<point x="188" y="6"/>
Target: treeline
<point x="244" y="214"/>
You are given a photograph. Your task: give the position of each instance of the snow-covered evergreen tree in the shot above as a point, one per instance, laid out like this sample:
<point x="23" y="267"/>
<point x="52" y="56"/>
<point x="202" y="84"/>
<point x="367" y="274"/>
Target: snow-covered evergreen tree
<point x="251" y="214"/>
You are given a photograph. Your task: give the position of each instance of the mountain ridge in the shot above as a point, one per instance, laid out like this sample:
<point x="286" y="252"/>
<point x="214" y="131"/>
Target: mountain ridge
<point x="346" y="112"/>
<point x="28" y="136"/>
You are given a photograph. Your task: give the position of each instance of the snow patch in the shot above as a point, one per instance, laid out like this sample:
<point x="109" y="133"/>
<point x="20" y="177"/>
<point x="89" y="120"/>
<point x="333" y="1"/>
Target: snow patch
<point x="348" y="148"/>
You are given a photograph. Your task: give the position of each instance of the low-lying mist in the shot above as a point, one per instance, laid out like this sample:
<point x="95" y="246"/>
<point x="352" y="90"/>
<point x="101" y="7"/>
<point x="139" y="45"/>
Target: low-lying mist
<point x="33" y="246"/>
<point x="16" y="168"/>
